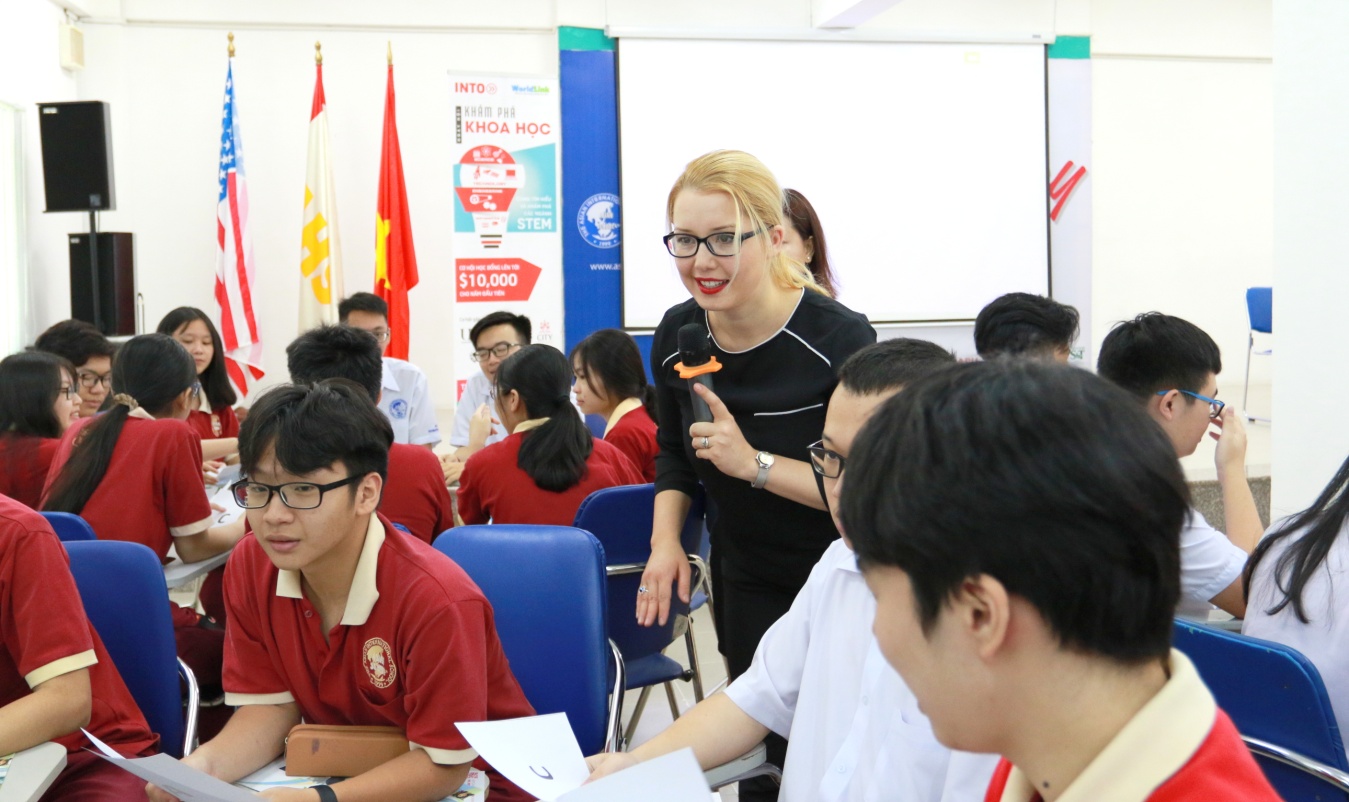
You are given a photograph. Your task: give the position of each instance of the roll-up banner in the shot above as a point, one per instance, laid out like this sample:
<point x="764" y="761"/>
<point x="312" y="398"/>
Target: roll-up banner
<point x="507" y="209"/>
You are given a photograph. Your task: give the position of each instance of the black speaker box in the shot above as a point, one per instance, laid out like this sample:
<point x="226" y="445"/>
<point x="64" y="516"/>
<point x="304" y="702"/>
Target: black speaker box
<point x="116" y="282"/>
<point x="76" y="156"/>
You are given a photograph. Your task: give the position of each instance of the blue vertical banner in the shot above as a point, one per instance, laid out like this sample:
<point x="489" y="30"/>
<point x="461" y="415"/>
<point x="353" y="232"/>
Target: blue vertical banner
<point x="591" y="219"/>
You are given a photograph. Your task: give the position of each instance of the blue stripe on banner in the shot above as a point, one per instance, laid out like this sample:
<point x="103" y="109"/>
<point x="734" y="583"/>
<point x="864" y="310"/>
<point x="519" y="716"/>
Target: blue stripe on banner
<point x="591" y="215"/>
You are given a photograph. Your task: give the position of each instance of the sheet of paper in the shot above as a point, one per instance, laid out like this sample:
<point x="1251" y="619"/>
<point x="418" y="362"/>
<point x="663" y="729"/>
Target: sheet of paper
<point x="182" y="781"/>
<point x="224" y="498"/>
<point x="538" y="753"/>
<point x="675" y="777"/>
<point x="228" y="475"/>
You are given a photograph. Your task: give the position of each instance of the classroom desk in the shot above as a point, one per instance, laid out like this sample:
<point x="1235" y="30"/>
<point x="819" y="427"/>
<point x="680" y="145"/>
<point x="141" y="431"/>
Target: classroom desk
<point x="178" y="573"/>
<point x="32" y="772"/>
<point x="273" y="775"/>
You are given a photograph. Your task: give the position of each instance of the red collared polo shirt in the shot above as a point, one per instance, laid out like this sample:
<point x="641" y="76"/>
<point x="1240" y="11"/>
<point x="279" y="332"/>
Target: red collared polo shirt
<point x="44" y="633"/>
<point x="152" y="491"/>
<point x="415" y="494"/>
<point x="634" y="433"/>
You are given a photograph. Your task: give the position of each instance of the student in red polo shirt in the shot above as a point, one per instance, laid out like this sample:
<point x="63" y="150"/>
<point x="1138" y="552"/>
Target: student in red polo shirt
<point x="415" y="494"/>
<point x="611" y="383"/>
<point x="1019" y="525"/>
<point x="38" y="403"/>
<point x="55" y="675"/>
<point x="337" y="618"/>
<point x="542" y="472"/>
<point x="213" y="418"/>
<point x="134" y="473"/>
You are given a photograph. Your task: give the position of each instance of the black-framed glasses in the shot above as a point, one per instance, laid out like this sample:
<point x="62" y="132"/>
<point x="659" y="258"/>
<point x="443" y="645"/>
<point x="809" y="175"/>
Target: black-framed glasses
<point x="500" y="351"/>
<point x="67" y="390"/>
<point x="382" y="335"/>
<point x="827" y="463"/>
<point x="1215" y="410"/>
<point x="297" y="495"/>
<point x="722" y="243"/>
<point x="88" y="379"/>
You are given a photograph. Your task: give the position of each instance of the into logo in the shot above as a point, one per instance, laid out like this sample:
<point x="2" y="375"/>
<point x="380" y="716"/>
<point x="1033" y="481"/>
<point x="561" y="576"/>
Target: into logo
<point x="597" y="220"/>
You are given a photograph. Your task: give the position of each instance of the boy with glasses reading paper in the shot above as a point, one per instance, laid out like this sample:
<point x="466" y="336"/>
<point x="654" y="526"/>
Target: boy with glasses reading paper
<point x="1171" y="367"/>
<point x="338" y="618"/>
<point x="854" y="730"/>
<point x="1026" y="565"/>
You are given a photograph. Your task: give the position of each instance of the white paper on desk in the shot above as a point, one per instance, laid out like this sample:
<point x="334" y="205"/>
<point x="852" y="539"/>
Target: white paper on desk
<point x="228" y="475"/>
<point x="225" y="498"/>
<point x="538" y="753"/>
<point x="182" y="781"/>
<point x="675" y="777"/>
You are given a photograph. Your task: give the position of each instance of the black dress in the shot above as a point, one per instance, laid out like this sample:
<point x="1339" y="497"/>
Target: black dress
<point x="763" y="545"/>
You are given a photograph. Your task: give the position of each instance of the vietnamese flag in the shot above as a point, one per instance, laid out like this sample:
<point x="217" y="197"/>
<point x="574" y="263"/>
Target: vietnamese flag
<point x="395" y="258"/>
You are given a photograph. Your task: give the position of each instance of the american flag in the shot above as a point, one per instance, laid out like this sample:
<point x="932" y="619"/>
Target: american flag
<point x="234" y="255"/>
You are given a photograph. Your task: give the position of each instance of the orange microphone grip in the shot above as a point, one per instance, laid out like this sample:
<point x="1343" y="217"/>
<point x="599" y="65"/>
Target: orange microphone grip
<point x="711" y="366"/>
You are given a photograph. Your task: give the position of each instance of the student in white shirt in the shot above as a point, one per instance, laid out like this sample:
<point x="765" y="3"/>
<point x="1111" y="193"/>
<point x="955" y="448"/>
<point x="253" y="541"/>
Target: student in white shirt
<point x="1293" y="580"/>
<point x="854" y="729"/>
<point x="405" y="397"/>
<point x="1171" y="366"/>
<point x="494" y="337"/>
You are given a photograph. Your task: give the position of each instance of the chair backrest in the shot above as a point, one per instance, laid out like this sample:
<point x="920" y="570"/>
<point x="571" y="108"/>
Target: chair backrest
<point x="621" y="519"/>
<point x="1273" y="693"/>
<point x="122" y="587"/>
<point x="69" y="526"/>
<point x="1260" y="308"/>
<point x="546" y="588"/>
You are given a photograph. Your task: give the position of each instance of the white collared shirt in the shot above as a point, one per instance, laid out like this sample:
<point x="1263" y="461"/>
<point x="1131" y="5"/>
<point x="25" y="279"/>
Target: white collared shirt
<point x="405" y="400"/>
<point x="854" y="728"/>
<point x="477" y="391"/>
<point x="1209" y="562"/>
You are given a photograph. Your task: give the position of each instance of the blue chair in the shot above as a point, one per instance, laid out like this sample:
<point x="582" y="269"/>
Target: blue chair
<point x="546" y="587"/>
<point x="70" y="527"/>
<point x="621" y="518"/>
<point x="122" y="587"/>
<point x="1276" y="698"/>
<point x="1260" y="310"/>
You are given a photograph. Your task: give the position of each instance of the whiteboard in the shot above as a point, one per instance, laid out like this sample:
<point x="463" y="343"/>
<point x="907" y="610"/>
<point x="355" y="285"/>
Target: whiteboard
<point x="926" y="162"/>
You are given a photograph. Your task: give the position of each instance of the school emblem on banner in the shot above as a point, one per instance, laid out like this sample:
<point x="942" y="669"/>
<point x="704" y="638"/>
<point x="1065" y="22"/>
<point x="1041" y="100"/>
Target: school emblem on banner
<point x="378" y="660"/>
<point x="597" y="220"/>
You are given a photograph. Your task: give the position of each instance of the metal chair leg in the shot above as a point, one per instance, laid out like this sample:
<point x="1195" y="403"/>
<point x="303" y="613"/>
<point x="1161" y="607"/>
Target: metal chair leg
<point x="670" y="697"/>
<point x="636" y="714"/>
<point x="692" y="648"/>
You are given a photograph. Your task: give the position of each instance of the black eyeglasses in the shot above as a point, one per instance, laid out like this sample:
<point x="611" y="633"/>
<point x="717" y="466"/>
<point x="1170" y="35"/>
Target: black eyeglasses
<point x="88" y="379"/>
<point x="722" y="243"/>
<point x="1215" y="407"/>
<point x="297" y="495"/>
<point x="500" y="350"/>
<point x="67" y="390"/>
<point x="827" y="463"/>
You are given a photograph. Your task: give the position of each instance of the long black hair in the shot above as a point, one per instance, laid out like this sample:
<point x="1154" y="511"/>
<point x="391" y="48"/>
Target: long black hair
<point x="150" y="371"/>
<point x="554" y="455"/>
<point x="215" y="380"/>
<point x="30" y="382"/>
<point x="612" y="357"/>
<point x="1315" y="529"/>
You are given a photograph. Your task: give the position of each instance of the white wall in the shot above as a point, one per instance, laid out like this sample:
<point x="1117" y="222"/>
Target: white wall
<point x="165" y="82"/>
<point x="1182" y="100"/>
<point x="30" y="73"/>
<point x="1311" y="241"/>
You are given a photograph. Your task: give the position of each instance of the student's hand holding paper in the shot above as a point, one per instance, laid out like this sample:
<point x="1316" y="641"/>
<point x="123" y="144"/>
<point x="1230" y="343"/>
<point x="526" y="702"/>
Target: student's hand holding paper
<point x="606" y="763"/>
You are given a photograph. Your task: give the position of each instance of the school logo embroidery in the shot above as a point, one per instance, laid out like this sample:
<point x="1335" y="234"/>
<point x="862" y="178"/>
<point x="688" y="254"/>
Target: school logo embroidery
<point x="598" y="220"/>
<point x="398" y="409"/>
<point x="378" y="660"/>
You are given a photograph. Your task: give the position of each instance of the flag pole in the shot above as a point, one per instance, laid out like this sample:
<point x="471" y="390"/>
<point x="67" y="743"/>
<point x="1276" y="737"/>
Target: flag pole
<point x="318" y="53"/>
<point x="231" y="38"/>
<point x="390" y="53"/>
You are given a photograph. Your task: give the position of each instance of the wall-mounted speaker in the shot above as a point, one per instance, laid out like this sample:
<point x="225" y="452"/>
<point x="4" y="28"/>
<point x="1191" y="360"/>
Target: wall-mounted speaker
<point x="116" y="282"/>
<point x="77" y="156"/>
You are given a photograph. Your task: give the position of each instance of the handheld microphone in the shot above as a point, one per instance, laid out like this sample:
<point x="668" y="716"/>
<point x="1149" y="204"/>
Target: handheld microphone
<point x="697" y="365"/>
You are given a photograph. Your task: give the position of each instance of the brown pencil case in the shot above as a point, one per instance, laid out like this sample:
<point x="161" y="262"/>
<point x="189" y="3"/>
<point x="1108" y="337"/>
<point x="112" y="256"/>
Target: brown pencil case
<point x="321" y="750"/>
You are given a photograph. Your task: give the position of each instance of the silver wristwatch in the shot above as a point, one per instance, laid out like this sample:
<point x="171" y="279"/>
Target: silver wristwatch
<point x="764" y="461"/>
